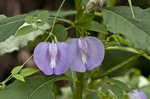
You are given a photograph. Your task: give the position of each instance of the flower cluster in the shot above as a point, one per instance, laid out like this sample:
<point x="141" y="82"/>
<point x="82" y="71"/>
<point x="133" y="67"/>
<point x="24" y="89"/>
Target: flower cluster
<point x="79" y="54"/>
<point x="137" y="94"/>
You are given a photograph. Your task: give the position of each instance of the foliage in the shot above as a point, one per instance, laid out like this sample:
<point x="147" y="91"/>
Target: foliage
<point x="124" y="31"/>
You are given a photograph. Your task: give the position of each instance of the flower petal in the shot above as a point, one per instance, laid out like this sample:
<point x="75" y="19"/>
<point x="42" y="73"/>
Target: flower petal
<point x="95" y="53"/>
<point x="64" y="58"/>
<point x="77" y="64"/>
<point x="42" y="58"/>
<point x="137" y="94"/>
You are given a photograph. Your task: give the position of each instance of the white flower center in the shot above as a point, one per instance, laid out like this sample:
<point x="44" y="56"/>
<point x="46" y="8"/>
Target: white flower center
<point x="53" y="54"/>
<point x="84" y="60"/>
<point x="83" y="50"/>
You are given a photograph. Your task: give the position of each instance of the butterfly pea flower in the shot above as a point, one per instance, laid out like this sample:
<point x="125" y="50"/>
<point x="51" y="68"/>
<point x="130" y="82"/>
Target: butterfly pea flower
<point x="52" y="58"/>
<point x="137" y="94"/>
<point x="87" y="53"/>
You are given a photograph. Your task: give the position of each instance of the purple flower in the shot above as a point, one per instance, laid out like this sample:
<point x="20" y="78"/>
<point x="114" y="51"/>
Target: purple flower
<point x="52" y="58"/>
<point x="137" y="94"/>
<point x="87" y="52"/>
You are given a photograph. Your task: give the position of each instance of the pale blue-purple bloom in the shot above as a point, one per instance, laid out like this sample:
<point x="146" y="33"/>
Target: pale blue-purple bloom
<point x="52" y="58"/>
<point x="87" y="52"/>
<point x="137" y="94"/>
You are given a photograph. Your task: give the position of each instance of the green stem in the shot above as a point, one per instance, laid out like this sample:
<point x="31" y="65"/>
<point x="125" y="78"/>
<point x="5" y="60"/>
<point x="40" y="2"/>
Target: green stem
<point x="54" y="22"/>
<point x="90" y="88"/>
<point x="11" y="76"/>
<point x="131" y="7"/>
<point x="78" y="88"/>
<point x="133" y="58"/>
<point x="66" y="21"/>
<point x="79" y="13"/>
<point x="129" y="49"/>
<point x="78" y="4"/>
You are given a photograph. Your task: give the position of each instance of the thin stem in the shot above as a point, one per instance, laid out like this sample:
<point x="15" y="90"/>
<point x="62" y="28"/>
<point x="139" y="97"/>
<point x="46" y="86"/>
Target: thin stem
<point x="11" y="76"/>
<point x="54" y="22"/>
<point x="131" y="7"/>
<point x="66" y="21"/>
<point x="133" y="58"/>
<point x="78" y="4"/>
<point x="27" y="60"/>
<point x="129" y="49"/>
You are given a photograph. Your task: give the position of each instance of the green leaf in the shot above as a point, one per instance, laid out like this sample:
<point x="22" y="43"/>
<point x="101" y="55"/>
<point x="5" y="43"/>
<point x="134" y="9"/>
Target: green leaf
<point x="60" y="32"/>
<point x="38" y="87"/>
<point x="16" y="70"/>
<point x="33" y="23"/>
<point x="29" y="19"/>
<point x="111" y="88"/>
<point x="118" y="83"/>
<point x="28" y="71"/>
<point x="19" y="77"/>
<point x="120" y="57"/>
<point x="97" y="27"/>
<point x="14" y="43"/>
<point x="136" y="30"/>
<point x="9" y="26"/>
<point x="44" y="15"/>
<point x="24" y="30"/>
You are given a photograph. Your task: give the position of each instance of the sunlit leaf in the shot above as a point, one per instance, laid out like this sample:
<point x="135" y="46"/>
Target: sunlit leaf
<point x="28" y="71"/>
<point x="136" y="30"/>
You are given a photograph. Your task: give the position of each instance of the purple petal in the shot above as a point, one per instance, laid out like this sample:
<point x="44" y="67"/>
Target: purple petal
<point x="64" y="58"/>
<point x="137" y="94"/>
<point x="77" y="64"/>
<point x="42" y="58"/>
<point x="95" y="53"/>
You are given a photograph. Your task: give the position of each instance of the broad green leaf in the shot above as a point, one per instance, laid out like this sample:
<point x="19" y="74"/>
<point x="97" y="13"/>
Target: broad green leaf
<point x="136" y="30"/>
<point x="97" y="27"/>
<point x="38" y="87"/>
<point x="19" y="77"/>
<point x="28" y="71"/>
<point x="16" y="70"/>
<point x="44" y="15"/>
<point x="60" y="32"/>
<point x="9" y="26"/>
<point x="33" y="23"/>
<point x="118" y="83"/>
<point x="24" y="30"/>
<point x="14" y="43"/>
<point x="120" y="57"/>
<point x="111" y="88"/>
<point x="28" y="28"/>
